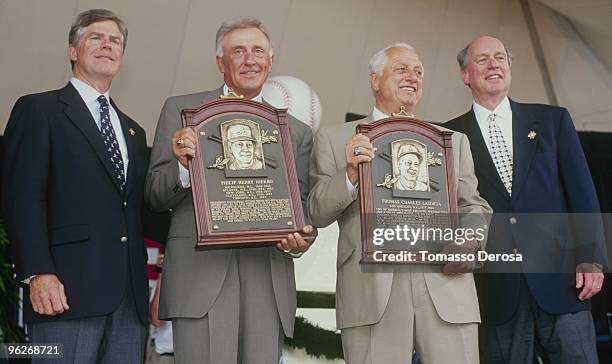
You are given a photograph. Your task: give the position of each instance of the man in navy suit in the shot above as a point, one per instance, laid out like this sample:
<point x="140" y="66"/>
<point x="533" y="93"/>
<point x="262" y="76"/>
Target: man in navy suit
<point x="74" y="168"/>
<point x="532" y="171"/>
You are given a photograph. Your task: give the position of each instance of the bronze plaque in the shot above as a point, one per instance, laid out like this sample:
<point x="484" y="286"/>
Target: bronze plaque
<point x="244" y="183"/>
<point x="407" y="193"/>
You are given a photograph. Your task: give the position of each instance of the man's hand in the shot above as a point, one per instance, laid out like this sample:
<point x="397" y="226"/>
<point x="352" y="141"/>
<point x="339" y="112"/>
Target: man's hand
<point x="590" y="278"/>
<point x="294" y="243"/>
<point x="154" y="306"/>
<point x="451" y="268"/>
<point x="160" y="260"/>
<point x="184" y="143"/>
<point x="358" y="150"/>
<point x="47" y="295"/>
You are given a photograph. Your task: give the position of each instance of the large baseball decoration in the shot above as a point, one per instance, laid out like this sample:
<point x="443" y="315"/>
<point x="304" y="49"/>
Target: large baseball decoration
<point x="296" y="96"/>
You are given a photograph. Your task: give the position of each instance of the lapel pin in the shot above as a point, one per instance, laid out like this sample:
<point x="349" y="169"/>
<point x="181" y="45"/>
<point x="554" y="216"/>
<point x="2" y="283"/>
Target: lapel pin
<point x="132" y="132"/>
<point x="532" y="134"/>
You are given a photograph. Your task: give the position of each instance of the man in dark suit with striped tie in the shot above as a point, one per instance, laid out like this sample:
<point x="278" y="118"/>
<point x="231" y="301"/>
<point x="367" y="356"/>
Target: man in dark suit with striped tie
<point x="74" y="168"/>
<point x="532" y="171"/>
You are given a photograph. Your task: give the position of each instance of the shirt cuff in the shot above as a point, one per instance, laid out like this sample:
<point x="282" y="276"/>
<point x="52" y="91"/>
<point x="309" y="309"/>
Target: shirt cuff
<point x="351" y="189"/>
<point x="184" y="176"/>
<point x="27" y="280"/>
<point x="294" y="255"/>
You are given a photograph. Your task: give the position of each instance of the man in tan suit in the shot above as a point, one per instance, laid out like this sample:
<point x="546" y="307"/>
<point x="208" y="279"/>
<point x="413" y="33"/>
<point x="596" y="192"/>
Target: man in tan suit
<point x="385" y="312"/>
<point x="228" y="305"/>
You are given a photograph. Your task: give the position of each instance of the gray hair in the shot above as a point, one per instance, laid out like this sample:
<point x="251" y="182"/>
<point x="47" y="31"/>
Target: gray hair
<point x="380" y="59"/>
<point x="462" y="56"/>
<point x="229" y="26"/>
<point x="88" y="17"/>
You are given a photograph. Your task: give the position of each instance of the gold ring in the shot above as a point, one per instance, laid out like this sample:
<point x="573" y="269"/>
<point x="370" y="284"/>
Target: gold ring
<point x="180" y="142"/>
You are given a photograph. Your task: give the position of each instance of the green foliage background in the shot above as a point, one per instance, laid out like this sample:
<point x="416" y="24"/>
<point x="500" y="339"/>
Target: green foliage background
<point x="9" y="332"/>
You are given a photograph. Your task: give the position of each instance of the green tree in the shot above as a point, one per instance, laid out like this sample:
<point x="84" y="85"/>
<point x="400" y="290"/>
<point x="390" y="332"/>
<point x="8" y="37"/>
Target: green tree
<point x="9" y="332"/>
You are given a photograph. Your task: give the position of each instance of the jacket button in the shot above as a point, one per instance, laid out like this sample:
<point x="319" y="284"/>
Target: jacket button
<point x="124" y="203"/>
<point x="124" y="239"/>
<point x="512" y="220"/>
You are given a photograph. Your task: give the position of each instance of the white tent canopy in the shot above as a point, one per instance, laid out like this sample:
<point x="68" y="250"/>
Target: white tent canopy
<point x="328" y="45"/>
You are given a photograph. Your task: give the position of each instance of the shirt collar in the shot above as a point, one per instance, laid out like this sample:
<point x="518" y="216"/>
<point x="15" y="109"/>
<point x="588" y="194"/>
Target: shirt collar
<point x="88" y="94"/>
<point x="257" y="98"/>
<point x="502" y="110"/>
<point x="377" y="114"/>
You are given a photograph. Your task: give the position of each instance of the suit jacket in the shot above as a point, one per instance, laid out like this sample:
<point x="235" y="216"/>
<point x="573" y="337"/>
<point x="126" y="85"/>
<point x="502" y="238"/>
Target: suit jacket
<point x="550" y="178"/>
<point x="362" y="294"/>
<point x="65" y="212"/>
<point x="193" y="279"/>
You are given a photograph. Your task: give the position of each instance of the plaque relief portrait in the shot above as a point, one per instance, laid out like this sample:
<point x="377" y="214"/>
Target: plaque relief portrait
<point x="409" y="159"/>
<point x="242" y="145"/>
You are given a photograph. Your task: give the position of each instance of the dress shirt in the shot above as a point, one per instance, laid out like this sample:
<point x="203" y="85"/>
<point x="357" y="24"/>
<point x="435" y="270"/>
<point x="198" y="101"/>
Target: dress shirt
<point x="377" y="114"/>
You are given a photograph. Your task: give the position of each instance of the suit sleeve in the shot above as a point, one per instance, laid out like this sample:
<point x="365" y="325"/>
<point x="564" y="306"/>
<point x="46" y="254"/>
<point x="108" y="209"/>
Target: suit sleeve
<point x="24" y="194"/>
<point x="163" y="189"/>
<point x="302" y="162"/>
<point x="580" y="193"/>
<point x="329" y="195"/>
<point x="474" y="211"/>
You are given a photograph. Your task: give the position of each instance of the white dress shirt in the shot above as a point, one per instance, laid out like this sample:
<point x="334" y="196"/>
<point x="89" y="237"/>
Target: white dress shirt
<point x="377" y="114"/>
<point x="184" y="172"/>
<point x="90" y="97"/>
<point x="503" y="117"/>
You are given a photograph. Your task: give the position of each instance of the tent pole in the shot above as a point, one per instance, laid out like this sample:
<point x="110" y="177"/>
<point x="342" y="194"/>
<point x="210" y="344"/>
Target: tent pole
<point x="539" y="52"/>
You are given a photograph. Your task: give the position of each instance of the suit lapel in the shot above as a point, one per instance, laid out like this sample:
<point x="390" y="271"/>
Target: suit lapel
<point x="366" y="120"/>
<point x="292" y="133"/>
<point x="523" y="147"/>
<point x="212" y="95"/>
<point x="481" y="155"/>
<point x="78" y="113"/>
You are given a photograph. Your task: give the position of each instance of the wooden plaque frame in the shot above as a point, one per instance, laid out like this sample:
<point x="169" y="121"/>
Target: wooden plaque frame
<point x="399" y="126"/>
<point x="207" y="235"/>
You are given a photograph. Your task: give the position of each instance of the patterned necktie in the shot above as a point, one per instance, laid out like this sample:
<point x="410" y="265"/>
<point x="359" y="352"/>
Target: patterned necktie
<point x="500" y="153"/>
<point x="110" y="141"/>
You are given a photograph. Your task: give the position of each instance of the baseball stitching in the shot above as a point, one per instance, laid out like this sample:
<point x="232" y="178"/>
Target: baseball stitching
<point x="287" y="99"/>
<point x="313" y="110"/>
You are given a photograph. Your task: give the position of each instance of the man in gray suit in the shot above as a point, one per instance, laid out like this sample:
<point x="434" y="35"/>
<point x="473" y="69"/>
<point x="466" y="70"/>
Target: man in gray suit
<point x="384" y="312"/>
<point x="226" y="306"/>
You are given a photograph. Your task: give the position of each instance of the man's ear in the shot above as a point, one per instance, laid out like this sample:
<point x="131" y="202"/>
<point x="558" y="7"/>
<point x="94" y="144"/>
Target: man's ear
<point x="271" y="63"/>
<point x="374" y="81"/>
<point x="219" y="61"/>
<point x="465" y="77"/>
<point x="72" y="53"/>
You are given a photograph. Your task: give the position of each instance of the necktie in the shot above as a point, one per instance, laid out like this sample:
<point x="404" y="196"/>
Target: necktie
<point x="110" y="141"/>
<point x="500" y="153"/>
